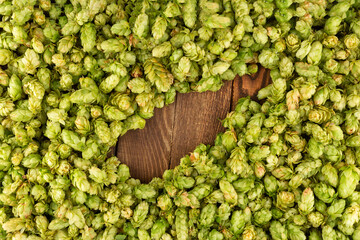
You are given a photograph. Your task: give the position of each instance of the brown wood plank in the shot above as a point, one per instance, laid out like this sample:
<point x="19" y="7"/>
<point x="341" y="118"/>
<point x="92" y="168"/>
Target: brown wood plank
<point x="197" y="120"/>
<point x="147" y="151"/>
<point x="176" y="130"/>
<point x="249" y="85"/>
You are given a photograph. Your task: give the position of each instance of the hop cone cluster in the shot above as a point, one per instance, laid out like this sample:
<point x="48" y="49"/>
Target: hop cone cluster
<point x="77" y="74"/>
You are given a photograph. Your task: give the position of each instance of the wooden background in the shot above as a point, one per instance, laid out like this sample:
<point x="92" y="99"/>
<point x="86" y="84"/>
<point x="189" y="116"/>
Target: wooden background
<point x="177" y="129"/>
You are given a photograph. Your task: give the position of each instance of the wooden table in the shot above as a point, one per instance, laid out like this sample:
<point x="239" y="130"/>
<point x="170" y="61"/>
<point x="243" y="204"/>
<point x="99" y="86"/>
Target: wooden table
<point x="177" y="129"/>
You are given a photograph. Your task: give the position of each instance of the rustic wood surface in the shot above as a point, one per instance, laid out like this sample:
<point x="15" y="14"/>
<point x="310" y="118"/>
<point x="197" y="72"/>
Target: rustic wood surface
<point x="177" y="129"/>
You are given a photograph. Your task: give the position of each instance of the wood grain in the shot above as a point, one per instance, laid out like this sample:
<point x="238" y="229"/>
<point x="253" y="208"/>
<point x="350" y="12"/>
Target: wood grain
<point x="147" y="151"/>
<point x="197" y="120"/>
<point x="249" y="85"/>
<point x="176" y="130"/>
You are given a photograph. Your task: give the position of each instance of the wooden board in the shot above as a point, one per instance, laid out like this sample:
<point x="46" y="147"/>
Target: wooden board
<point x="177" y="129"/>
